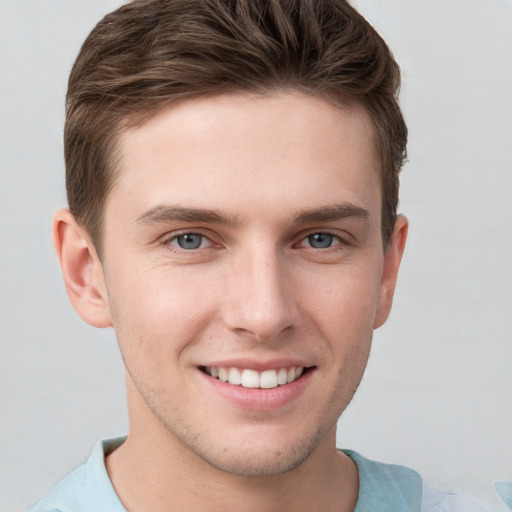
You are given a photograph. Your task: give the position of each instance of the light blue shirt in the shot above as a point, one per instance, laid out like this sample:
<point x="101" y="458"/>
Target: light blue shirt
<point x="382" y="488"/>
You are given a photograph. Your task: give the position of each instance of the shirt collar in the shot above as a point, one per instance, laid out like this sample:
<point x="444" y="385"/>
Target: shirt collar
<point x="386" y="487"/>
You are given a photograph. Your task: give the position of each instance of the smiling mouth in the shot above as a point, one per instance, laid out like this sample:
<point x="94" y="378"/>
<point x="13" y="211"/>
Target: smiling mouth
<point x="249" y="378"/>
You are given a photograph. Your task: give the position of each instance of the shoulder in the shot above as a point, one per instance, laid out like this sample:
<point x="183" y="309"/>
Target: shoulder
<point x="66" y="495"/>
<point x="394" y="488"/>
<point x="87" y="488"/>
<point x="435" y="500"/>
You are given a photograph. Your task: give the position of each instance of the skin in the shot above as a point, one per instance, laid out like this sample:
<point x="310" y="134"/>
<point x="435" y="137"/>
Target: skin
<point x="258" y="291"/>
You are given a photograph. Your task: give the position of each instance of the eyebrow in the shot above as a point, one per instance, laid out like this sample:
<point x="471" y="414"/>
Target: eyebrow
<point x="331" y="213"/>
<point x="169" y="213"/>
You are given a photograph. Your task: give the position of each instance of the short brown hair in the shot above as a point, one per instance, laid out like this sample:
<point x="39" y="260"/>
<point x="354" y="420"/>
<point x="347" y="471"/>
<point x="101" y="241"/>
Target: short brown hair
<point x="149" y="53"/>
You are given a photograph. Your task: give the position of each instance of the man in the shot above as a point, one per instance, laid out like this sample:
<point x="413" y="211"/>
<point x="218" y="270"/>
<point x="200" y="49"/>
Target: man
<point x="232" y="178"/>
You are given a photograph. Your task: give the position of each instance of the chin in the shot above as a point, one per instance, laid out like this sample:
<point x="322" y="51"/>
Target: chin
<point x="258" y="464"/>
<point x="258" y="455"/>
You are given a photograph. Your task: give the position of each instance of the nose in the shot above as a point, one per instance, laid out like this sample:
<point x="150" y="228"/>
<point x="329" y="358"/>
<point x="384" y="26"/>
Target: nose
<point x="259" y="296"/>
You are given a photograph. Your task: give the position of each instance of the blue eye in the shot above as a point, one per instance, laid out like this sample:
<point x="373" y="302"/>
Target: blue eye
<point x="321" y="240"/>
<point x="189" y="241"/>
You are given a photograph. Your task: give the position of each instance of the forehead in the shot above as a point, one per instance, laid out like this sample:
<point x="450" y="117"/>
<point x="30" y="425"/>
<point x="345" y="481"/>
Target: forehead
<point x="244" y="153"/>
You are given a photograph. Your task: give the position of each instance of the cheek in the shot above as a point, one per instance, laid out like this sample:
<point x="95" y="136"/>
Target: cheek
<point x="345" y="301"/>
<point x="156" y="311"/>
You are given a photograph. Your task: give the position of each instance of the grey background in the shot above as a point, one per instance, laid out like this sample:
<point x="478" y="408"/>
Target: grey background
<point x="437" y="395"/>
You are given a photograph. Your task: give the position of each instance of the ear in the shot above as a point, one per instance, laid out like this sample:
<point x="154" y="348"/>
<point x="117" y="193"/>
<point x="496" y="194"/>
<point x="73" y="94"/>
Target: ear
<point x="392" y="258"/>
<point x="82" y="270"/>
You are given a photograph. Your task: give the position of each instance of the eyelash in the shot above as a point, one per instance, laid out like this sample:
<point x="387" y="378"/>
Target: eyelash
<point x="169" y="242"/>
<point x="336" y="241"/>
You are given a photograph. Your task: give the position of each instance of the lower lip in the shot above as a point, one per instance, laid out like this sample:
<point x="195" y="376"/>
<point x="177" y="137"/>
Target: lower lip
<point x="257" y="399"/>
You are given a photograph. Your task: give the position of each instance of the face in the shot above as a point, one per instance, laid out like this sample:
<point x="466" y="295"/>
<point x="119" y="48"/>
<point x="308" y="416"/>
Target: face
<point x="243" y="265"/>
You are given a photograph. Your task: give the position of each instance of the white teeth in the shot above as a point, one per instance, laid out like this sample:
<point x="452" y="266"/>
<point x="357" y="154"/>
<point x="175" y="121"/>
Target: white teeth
<point x="248" y="378"/>
<point x="234" y="376"/>
<point x="282" y="376"/>
<point x="268" y="379"/>
<point x="223" y="374"/>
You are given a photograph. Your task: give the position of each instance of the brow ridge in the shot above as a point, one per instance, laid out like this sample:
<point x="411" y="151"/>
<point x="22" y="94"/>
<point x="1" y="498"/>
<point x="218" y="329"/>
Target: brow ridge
<point x="331" y="213"/>
<point x="172" y="213"/>
<point x="169" y="213"/>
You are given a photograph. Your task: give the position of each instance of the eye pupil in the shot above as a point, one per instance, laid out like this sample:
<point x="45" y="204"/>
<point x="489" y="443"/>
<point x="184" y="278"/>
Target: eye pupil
<point x="189" y="241"/>
<point x="320" y="240"/>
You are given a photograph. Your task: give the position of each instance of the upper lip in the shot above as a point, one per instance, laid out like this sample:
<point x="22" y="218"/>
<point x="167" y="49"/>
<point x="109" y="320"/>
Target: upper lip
<point x="259" y="365"/>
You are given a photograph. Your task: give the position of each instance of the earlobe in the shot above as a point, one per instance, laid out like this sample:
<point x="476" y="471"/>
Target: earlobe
<point x="392" y="258"/>
<point x="81" y="269"/>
